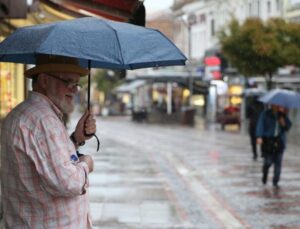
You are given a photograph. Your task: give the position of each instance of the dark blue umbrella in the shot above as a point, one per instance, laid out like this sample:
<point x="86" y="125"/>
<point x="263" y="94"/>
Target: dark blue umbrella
<point x="95" y="43"/>
<point x="106" y="44"/>
<point x="282" y="97"/>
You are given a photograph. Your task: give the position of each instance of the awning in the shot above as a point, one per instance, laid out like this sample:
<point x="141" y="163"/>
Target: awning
<point x="181" y="78"/>
<point x="169" y="76"/>
<point x="118" y="10"/>
<point x="46" y="11"/>
<point x="129" y="87"/>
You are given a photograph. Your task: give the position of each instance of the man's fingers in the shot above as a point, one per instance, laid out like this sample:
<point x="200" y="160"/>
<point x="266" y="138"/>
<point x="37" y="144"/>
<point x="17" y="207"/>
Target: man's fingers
<point x="90" y="129"/>
<point x="85" y="115"/>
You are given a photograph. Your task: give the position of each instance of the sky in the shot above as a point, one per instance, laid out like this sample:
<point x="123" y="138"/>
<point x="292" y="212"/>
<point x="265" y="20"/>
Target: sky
<point x="292" y="1"/>
<point x="153" y="6"/>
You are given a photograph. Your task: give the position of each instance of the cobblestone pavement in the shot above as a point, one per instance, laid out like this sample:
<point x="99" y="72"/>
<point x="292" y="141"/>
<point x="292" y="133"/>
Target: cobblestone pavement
<point x="160" y="176"/>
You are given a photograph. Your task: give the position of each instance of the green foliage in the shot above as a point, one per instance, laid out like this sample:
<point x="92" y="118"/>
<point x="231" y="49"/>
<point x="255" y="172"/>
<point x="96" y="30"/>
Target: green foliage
<point x="106" y="80"/>
<point x="288" y="35"/>
<point x="258" y="48"/>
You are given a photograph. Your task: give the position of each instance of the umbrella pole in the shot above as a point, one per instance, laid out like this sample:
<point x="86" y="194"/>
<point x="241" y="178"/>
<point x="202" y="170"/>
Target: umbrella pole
<point x="89" y="101"/>
<point x="89" y="86"/>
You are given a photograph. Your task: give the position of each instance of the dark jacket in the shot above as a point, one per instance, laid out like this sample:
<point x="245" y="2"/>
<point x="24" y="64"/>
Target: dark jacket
<point x="253" y="112"/>
<point x="267" y="123"/>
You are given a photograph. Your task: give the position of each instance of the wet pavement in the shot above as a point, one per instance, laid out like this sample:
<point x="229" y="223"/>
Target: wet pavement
<point x="162" y="176"/>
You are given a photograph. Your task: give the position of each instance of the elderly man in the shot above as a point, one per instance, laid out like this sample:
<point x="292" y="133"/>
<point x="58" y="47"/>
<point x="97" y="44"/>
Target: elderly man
<point x="44" y="182"/>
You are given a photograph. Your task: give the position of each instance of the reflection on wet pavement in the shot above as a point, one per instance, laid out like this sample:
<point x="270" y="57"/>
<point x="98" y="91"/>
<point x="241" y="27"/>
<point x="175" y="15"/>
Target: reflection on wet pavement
<point x="151" y="176"/>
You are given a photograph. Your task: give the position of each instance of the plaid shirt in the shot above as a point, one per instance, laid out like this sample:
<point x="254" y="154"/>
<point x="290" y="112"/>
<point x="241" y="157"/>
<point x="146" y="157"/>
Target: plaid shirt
<point x="43" y="183"/>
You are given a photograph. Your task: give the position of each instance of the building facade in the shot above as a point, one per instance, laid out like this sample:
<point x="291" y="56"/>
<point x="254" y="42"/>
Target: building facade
<point x="200" y="21"/>
<point x="197" y="35"/>
<point x="291" y="10"/>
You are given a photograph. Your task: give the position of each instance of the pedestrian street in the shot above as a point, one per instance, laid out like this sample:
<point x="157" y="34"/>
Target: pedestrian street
<point x="164" y="176"/>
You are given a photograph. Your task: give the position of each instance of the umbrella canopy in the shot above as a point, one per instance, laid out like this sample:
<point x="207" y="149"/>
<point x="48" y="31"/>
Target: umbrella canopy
<point x="95" y="43"/>
<point x="106" y="44"/>
<point x="284" y="98"/>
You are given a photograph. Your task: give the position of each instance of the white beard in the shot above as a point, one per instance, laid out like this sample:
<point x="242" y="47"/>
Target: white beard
<point x="65" y="106"/>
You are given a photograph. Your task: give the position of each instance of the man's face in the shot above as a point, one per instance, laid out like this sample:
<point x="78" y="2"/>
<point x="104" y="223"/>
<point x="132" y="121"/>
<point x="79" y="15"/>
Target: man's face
<point x="283" y="110"/>
<point x="62" y="89"/>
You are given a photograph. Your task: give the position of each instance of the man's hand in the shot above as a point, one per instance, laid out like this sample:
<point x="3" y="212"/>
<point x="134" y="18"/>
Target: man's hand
<point x="259" y="141"/>
<point x="281" y="121"/>
<point x="88" y="159"/>
<point x="85" y="127"/>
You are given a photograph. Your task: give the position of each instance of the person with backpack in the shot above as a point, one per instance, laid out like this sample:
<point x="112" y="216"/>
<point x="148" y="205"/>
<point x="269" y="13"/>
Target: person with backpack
<point x="271" y="130"/>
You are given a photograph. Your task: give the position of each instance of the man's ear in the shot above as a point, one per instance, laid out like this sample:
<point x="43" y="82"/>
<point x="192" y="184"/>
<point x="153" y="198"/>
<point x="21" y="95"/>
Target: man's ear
<point x="43" y="80"/>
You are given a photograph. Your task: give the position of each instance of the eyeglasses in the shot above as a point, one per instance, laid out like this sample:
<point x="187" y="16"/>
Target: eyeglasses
<point x="69" y="84"/>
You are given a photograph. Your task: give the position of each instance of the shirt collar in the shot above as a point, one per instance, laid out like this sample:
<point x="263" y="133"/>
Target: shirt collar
<point x="36" y="96"/>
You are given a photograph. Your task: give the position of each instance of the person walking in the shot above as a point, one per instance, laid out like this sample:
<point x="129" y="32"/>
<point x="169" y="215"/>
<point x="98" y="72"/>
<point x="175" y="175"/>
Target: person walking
<point x="44" y="183"/>
<point x="271" y="131"/>
<point x="253" y="111"/>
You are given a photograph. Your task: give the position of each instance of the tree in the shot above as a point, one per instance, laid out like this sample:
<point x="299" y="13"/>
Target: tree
<point x="288" y="35"/>
<point x="105" y="80"/>
<point x="258" y="48"/>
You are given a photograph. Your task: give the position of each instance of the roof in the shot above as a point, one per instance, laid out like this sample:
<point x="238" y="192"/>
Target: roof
<point x="169" y="76"/>
<point x="129" y="87"/>
<point x="182" y="78"/>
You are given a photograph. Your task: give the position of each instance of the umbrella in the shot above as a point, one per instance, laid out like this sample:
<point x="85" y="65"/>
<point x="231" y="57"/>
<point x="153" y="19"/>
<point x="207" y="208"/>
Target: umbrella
<point x="96" y="43"/>
<point x="282" y="97"/>
<point x="106" y="44"/>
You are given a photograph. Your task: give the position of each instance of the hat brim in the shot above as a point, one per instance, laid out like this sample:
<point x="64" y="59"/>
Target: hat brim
<point x="44" y="68"/>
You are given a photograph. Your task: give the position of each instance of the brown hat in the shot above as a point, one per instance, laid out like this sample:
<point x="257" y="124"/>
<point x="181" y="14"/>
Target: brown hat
<point x="52" y="63"/>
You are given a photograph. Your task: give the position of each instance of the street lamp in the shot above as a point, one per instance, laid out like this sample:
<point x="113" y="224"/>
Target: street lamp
<point x="188" y="21"/>
<point x="191" y="21"/>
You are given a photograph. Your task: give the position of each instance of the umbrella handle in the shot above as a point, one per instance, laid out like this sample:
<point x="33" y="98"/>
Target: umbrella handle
<point x="98" y="141"/>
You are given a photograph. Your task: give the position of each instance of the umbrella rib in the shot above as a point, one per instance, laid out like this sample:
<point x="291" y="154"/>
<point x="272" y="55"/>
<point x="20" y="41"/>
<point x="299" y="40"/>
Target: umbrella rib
<point x="47" y="38"/>
<point x="118" y="41"/>
<point x="170" y="42"/>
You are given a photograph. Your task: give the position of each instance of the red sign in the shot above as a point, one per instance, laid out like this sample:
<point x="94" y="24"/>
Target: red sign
<point x="212" y="61"/>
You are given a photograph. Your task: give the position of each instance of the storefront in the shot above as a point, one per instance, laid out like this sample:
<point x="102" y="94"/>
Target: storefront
<point x="169" y="97"/>
<point x="11" y="86"/>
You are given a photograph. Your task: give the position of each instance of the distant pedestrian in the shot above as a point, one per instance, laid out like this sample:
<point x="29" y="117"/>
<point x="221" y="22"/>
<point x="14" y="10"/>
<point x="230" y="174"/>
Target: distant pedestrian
<point x="271" y="131"/>
<point x="253" y="111"/>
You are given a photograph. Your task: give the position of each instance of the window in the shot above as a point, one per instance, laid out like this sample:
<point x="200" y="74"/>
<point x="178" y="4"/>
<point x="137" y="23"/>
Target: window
<point x="269" y="7"/>
<point x="258" y="8"/>
<point x="250" y="9"/>
<point x="212" y="25"/>
<point x="278" y="5"/>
